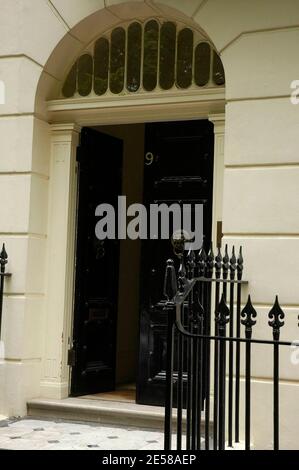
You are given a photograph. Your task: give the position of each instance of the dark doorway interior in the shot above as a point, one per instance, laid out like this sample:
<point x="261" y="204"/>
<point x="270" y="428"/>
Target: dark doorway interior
<point x="148" y="163"/>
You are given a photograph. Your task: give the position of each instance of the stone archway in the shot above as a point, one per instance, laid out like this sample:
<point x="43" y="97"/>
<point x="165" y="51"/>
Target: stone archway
<point x="63" y="139"/>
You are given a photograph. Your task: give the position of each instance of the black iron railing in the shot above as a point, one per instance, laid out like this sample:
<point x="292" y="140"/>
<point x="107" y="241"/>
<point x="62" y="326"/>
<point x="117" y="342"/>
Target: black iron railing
<point x="206" y="352"/>
<point x="3" y="275"/>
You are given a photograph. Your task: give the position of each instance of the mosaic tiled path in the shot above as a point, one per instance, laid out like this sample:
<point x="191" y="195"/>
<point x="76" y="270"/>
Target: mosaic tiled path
<point x="32" y="434"/>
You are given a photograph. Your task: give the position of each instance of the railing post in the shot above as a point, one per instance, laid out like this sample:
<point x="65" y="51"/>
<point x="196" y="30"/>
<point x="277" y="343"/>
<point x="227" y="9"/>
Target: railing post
<point x="218" y="266"/>
<point x="170" y="311"/>
<point x="170" y="290"/>
<point x="276" y="316"/>
<point x="238" y="346"/>
<point x="3" y="262"/>
<point x="248" y="314"/>
<point x="232" y="269"/>
<point x="207" y="343"/>
<point x="192" y="367"/>
<point x="222" y="318"/>
<point x="225" y="268"/>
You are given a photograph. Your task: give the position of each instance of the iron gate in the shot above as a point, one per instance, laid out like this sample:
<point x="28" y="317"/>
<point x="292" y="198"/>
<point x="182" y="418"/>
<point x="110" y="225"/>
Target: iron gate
<point x="211" y="347"/>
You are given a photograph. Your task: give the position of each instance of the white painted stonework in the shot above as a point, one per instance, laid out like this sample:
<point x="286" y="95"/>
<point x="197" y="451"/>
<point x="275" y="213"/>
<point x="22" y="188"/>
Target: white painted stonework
<point x="256" y="171"/>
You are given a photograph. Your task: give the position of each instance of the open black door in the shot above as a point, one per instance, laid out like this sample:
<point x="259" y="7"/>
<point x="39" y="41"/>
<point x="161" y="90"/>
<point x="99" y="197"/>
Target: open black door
<point x="178" y="169"/>
<point x="96" y="292"/>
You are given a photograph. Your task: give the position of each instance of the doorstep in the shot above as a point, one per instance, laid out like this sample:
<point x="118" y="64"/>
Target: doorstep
<point x="98" y="411"/>
<point x="104" y="412"/>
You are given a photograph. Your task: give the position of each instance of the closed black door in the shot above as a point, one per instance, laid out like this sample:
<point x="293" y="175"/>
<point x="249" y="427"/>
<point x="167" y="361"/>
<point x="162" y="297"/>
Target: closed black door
<point x="178" y="168"/>
<point x="97" y="262"/>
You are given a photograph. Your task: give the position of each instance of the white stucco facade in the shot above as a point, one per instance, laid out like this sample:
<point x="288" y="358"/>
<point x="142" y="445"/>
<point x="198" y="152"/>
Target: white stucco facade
<point x="256" y="180"/>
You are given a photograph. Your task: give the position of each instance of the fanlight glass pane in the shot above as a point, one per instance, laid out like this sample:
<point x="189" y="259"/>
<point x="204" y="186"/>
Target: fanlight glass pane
<point x="134" y="56"/>
<point x="117" y="60"/>
<point x="85" y="72"/>
<point x="202" y="64"/>
<point x="101" y="66"/>
<point x="70" y="84"/>
<point x="218" y="70"/>
<point x="150" y="58"/>
<point x="185" y="58"/>
<point x="167" y="55"/>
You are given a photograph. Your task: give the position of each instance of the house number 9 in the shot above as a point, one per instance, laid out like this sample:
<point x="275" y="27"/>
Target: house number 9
<point x="150" y="158"/>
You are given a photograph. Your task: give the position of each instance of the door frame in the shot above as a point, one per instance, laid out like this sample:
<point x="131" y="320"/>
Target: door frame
<point x="64" y="139"/>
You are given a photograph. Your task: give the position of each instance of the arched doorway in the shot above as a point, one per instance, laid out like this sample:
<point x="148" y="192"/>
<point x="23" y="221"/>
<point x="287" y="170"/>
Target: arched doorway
<point x="130" y="77"/>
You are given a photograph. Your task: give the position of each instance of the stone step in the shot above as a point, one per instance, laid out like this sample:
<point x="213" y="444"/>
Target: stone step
<point x="99" y="411"/>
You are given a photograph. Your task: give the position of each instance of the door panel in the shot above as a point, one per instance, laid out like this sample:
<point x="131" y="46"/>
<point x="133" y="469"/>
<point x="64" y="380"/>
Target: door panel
<point x="97" y="261"/>
<point x="178" y="169"/>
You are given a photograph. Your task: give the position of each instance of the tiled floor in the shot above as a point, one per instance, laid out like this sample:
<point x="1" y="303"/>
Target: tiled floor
<point x="32" y="434"/>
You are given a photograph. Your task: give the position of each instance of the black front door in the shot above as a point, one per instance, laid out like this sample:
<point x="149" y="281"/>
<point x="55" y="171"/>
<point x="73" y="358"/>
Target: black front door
<point x="178" y="168"/>
<point x="96" y="291"/>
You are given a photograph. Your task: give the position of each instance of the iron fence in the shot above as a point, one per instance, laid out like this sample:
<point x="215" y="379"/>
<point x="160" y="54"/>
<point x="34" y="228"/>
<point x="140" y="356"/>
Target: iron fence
<point x="204" y="352"/>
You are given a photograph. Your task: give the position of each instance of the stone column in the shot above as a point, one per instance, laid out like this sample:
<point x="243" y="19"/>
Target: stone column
<point x="60" y="260"/>
<point x="219" y="129"/>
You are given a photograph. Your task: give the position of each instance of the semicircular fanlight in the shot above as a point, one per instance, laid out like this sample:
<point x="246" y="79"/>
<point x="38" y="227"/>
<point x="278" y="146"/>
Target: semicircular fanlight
<point x="144" y="58"/>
